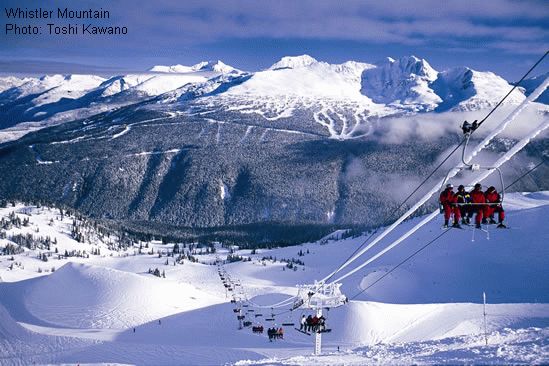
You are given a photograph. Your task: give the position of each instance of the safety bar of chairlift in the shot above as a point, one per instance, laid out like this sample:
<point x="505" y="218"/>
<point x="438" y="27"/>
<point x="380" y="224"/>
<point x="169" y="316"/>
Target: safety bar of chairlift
<point x="474" y="167"/>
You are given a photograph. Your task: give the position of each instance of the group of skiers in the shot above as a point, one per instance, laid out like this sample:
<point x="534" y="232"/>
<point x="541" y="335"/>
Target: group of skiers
<point x="312" y="323"/>
<point x="274" y="333"/>
<point x="257" y="329"/>
<point x="463" y="205"/>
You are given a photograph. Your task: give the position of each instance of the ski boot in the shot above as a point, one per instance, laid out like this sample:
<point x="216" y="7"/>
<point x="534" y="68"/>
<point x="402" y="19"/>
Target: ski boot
<point x="456" y="225"/>
<point x="501" y="225"/>
<point x="492" y="221"/>
<point x="478" y="226"/>
<point x="484" y="222"/>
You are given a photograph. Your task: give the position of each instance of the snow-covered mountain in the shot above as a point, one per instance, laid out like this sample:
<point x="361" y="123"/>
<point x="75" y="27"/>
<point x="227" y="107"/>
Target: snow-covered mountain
<point x="466" y="89"/>
<point x="214" y="66"/>
<point x="303" y="76"/>
<point x="411" y="82"/>
<point x="408" y="85"/>
<point x="403" y="82"/>
<point x="53" y="99"/>
<point x="294" y="62"/>
<point x="162" y="128"/>
<point x="8" y="82"/>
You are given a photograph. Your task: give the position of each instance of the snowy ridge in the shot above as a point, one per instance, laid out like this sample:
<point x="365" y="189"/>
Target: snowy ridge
<point x="293" y="62"/>
<point x="173" y="68"/>
<point x="466" y="89"/>
<point x="401" y="82"/>
<point x="214" y="66"/>
<point x="392" y="87"/>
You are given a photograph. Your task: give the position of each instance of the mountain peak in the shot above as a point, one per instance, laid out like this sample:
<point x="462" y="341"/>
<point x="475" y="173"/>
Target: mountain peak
<point x="404" y="81"/>
<point x="411" y="65"/>
<point x="293" y="62"/>
<point x="216" y="66"/>
<point x="173" y="68"/>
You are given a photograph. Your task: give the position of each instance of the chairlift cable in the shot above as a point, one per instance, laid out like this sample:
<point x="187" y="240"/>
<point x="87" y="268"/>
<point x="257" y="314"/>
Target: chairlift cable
<point x="479" y="147"/>
<point x="514" y="87"/>
<point x="429" y="243"/>
<point x="503" y="159"/>
<point x="401" y="263"/>
<point x="525" y="174"/>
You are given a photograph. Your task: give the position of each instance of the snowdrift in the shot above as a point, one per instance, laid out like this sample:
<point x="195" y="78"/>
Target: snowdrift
<point x="9" y="329"/>
<point x="85" y="296"/>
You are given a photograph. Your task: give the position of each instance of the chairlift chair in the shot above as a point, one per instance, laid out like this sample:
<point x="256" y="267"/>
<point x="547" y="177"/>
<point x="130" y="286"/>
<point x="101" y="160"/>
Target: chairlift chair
<point x="468" y="128"/>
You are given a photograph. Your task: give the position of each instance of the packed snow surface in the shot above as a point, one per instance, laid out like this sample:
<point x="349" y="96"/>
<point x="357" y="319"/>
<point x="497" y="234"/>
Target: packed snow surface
<point x="106" y="308"/>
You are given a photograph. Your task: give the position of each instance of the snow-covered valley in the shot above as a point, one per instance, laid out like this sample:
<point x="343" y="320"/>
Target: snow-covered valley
<point x="93" y="300"/>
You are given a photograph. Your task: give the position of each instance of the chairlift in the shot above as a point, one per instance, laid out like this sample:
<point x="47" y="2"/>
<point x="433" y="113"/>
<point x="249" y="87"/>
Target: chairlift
<point x="468" y="128"/>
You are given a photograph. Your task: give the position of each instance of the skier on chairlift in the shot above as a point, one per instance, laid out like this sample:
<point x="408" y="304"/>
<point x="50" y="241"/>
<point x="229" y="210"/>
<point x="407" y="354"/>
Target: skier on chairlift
<point x="464" y="204"/>
<point x="448" y="200"/>
<point x="478" y="201"/>
<point x="494" y="198"/>
<point x="468" y="128"/>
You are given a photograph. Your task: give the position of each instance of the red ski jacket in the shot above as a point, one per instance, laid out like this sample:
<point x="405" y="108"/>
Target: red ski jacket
<point x="492" y="197"/>
<point x="478" y="197"/>
<point x="447" y="197"/>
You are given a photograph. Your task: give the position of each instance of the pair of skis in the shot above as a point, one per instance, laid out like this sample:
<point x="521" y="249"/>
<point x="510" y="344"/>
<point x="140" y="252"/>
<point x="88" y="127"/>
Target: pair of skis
<point x="305" y="332"/>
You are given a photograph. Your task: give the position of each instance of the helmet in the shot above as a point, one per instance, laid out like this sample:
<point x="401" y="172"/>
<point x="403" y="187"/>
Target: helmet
<point x="492" y="188"/>
<point x="449" y="185"/>
<point x="461" y="187"/>
<point x="478" y="185"/>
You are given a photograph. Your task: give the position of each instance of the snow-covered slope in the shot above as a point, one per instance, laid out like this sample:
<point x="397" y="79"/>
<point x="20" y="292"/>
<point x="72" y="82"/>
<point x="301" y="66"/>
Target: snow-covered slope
<point x="99" y="303"/>
<point x="466" y="89"/>
<point x="160" y="84"/>
<point x="310" y="80"/>
<point x="86" y="310"/>
<point x="8" y="82"/>
<point x="51" y="88"/>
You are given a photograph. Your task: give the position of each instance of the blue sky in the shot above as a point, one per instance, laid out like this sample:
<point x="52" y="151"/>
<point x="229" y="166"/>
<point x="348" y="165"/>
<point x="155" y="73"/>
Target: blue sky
<point x="498" y="35"/>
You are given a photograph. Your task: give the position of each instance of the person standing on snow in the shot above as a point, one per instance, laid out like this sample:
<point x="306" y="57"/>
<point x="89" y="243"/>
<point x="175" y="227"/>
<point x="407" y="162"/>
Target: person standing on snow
<point x="479" y="203"/>
<point x="303" y="323"/>
<point x="448" y="200"/>
<point x="494" y="200"/>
